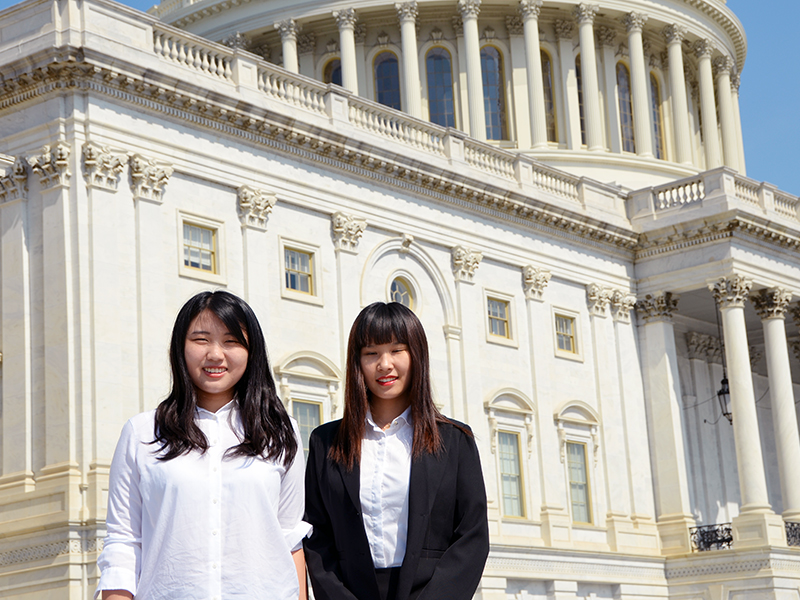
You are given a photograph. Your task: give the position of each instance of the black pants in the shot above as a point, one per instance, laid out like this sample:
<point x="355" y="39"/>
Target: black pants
<point x="387" y="582"/>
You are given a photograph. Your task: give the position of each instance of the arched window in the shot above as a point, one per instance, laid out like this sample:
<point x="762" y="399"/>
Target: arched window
<point x="441" y="105"/>
<point x="549" y="103"/>
<point x="401" y="292"/>
<point x="494" y="93"/>
<point x="387" y="79"/>
<point x="332" y="73"/>
<point x="625" y="108"/>
<point x="658" y="121"/>
<point x="580" y="98"/>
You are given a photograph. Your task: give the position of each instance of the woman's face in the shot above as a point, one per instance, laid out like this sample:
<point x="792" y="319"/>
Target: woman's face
<point x="387" y="371"/>
<point x="215" y="359"/>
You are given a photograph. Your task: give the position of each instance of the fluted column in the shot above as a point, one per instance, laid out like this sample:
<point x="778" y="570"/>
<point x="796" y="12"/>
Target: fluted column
<point x="529" y="9"/>
<point x="708" y="109"/>
<point x="634" y="23"/>
<point x="585" y="14"/>
<point x="771" y="307"/>
<point x="730" y="144"/>
<point x="412" y="94"/>
<point x="289" y="31"/>
<point x="346" y="21"/>
<point x="677" y="86"/>
<point x="571" y="123"/>
<point x="737" y="117"/>
<point x="469" y="10"/>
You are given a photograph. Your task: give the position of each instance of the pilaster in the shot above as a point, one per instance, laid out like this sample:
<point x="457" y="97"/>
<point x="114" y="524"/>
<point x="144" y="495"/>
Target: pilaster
<point x="254" y="207"/>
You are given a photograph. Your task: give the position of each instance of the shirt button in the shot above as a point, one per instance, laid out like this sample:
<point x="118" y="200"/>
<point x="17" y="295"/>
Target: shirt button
<point x="214" y="501"/>
<point x="214" y="441"/>
<point x="214" y="532"/>
<point x="214" y="565"/>
<point x="215" y="469"/>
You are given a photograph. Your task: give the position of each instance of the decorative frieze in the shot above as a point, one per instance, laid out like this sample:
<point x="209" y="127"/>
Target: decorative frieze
<point x="254" y="207"/>
<point x="52" y="165"/>
<point x="622" y="303"/>
<point x="148" y="178"/>
<point x="535" y="280"/>
<point x="101" y="168"/>
<point x="585" y="13"/>
<point x="658" y="307"/>
<point x="465" y="263"/>
<point x="469" y="9"/>
<point x="598" y="299"/>
<point x="731" y="291"/>
<point x="771" y="303"/>
<point x="14" y="185"/>
<point x="347" y="231"/>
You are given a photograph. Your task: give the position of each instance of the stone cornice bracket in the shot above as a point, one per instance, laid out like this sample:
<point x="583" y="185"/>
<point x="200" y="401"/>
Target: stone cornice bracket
<point x="703" y="48"/>
<point x="14" y="185"/>
<point x="148" y="179"/>
<point x="658" y="307"/>
<point x="405" y="244"/>
<point x="634" y="21"/>
<point x="564" y="29"/>
<point x="469" y="8"/>
<point x="606" y="36"/>
<point x="52" y="165"/>
<point x="730" y="292"/>
<point x="585" y="13"/>
<point x="345" y="19"/>
<point x="723" y="64"/>
<point x="306" y="43"/>
<point x="288" y="29"/>
<point x="534" y="281"/>
<point x="771" y="303"/>
<point x="674" y="33"/>
<point x="622" y="303"/>
<point x="598" y="298"/>
<point x="101" y="169"/>
<point x="347" y="231"/>
<point x="407" y="11"/>
<point x="465" y="263"/>
<point x="254" y="207"/>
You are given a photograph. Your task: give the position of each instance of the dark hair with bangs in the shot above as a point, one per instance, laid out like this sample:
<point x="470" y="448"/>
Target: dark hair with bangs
<point x="382" y="323"/>
<point x="267" y="430"/>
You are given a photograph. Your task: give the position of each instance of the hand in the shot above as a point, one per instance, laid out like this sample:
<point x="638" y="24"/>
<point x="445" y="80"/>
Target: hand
<point x="117" y="595"/>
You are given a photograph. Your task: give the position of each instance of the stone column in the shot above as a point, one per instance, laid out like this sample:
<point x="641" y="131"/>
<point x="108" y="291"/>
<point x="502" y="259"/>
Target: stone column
<point x="730" y="144"/>
<point x="606" y="38"/>
<point x="677" y="86"/>
<point x="346" y="21"/>
<point x="771" y="308"/>
<point x="469" y="10"/>
<point x="565" y="30"/>
<point x="585" y="14"/>
<point x="289" y="30"/>
<point x="529" y="9"/>
<point x="756" y="523"/>
<point x="640" y="85"/>
<point x="703" y="49"/>
<point x="412" y="94"/>
<point x="664" y="407"/>
<point x="738" y="120"/>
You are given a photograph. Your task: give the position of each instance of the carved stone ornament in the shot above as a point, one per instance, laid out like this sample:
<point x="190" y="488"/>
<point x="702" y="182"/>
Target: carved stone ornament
<point x="332" y="46"/>
<point x="622" y="304"/>
<point x="306" y="43"/>
<point x="101" y="169"/>
<point x="634" y="22"/>
<point x="731" y="291"/>
<point x="407" y="11"/>
<point x="14" y="185"/>
<point x="254" y="207"/>
<point x="795" y="346"/>
<point x="657" y="308"/>
<point x="465" y="263"/>
<point x="674" y="33"/>
<point x="405" y="244"/>
<point x="289" y="29"/>
<point x="52" y="165"/>
<point x="598" y="299"/>
<point x="514" y="25"/>
<point x="489" y="34"/>
<point x="756" y="355"/>
<point x="347" y="231"/>
<point x="360" y="33"/>
<point x="436" y="34"/>
<point x="458" y="25"/>
<point x="703" y="48"/>
<point x="723" y="64"/>
<point x="703" y="347"/>
<point x="771" y="303"/>
<point x="237" y="40"/>
<point x="564" y="29"/>
<point x="606" y="36"/>
<point x="345" y="19"/>
<point x="535" y="280"/>
<point x="529" y="9"/>
<point x="469" y="9"/>
<point x="383" y="39"/>
<point x="148" y="179"/>
<point x="585" y="13"/>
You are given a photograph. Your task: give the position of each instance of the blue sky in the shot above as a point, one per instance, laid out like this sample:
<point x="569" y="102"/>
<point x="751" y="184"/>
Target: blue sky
<point x="770" y="89"/>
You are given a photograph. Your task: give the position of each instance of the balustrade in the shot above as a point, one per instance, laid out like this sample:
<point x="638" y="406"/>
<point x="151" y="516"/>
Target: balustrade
<point x="792" y="534"/>
<point x="711" y="537"/>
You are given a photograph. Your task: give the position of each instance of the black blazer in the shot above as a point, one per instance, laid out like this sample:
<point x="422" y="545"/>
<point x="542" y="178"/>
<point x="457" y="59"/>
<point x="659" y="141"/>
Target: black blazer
<point x="448" y="532"/>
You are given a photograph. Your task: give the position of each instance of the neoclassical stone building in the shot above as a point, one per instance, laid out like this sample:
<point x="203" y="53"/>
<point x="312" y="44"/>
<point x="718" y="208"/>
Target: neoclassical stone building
<point x="557" y="189"/>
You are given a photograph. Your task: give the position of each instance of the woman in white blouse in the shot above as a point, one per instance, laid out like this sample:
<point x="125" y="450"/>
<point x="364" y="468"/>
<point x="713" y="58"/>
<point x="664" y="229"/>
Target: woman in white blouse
<point x="206" y="492"/>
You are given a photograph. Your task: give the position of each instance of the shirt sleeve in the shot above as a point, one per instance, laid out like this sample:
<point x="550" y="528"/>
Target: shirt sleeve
<point x="121" y="559"/>
<point x="292" y="499"/>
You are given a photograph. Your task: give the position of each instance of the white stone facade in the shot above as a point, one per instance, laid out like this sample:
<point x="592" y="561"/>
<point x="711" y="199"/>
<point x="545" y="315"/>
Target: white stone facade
<point x="120" y="133"/>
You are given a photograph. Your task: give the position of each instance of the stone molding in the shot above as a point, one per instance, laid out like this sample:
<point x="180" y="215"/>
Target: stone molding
<point x="101" y="168"/>
<point x="534" y="281"/>
<point x="530" y="9"/>
<point x="52" y="165"/>
<point x="254" y="207"/>
<point x="622" y="303"/>
<point x="347" y="231"/>
<point x="407" y="11"/>
<point x="148" y="178"/>
<point x="288" y="29"/>
<point x="465" y="263"/>
<point x="598" y="298"/>
<point x="634" y="22"/>
<point x="731" y="292"/>
<point x="657" y="307"/>
<point x="469" y="9"/>
<point x="50" y="551"/>
<point x="345" y="18"/>
<point x="585" y="13"/>
<point x="771" y="303"/>
<point x="14" y="184"/>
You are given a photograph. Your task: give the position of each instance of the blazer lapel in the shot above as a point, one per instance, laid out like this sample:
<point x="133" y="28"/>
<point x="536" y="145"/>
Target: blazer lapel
<point x="352" y="483"/>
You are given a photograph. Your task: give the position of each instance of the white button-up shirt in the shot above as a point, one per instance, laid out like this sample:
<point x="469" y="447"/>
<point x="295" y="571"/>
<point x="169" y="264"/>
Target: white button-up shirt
<point x="197" y="526"/>
<point x="385" y="474"/>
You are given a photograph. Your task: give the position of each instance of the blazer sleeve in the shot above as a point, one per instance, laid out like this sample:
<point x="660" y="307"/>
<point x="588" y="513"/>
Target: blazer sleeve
<point x="322" y="558"/>
<point x="459" y="571"/>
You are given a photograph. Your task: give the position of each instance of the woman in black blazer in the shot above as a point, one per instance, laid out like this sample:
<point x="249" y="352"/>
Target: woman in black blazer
<point x="394" y="490"/>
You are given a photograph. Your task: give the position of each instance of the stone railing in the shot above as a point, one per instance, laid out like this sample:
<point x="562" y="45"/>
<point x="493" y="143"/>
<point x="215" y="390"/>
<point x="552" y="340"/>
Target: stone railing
<point x="711" y="537"/>
<point x="395" y="125"/>
<point x="556" y="182"/>
<point x="792" y="533"/>
<point x="786" y="205"/>
<point x="748" y="190"/>
<point x="280" y="85"/>
<point x="209" y="58"/>
<point x="679" y="193"/>
<point x="491" y="160"/>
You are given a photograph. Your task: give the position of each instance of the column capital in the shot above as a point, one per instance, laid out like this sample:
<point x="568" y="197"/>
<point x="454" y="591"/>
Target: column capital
<point x="237" y="40"/>
<point x="529" y="9"/>
<point x="307" y="43"/>
<point x="731" y="292"/>
<point x="347" y="231"/>
<point x="289" y="29"/>
<point x="703" y="48"/>
<point x="606" y="36"/>
<point x="598" y="299"/>
<point x="458" y="25"/>
<point x="465" y="263"/>
<point x="360" y="33"/>
<point x="622" y="303"/>
<point x="14" y="185"/>
<point x="148" y="178"/>
<point x="345" y="19"/>
<point x="535" y="280"/>
<point x="564" y="28"/>
<point x="675" y="34"/>
<point x="101" y="168"/>
<point x="658" y="307"/>
<point x="771" y="303"/>
<point x="514" y="25"/>
<point x="634" y="22"/>
<point x="723" y="64"/>
<point x="585" y="13"/>
<point x="52" y="165"/>
<point x="407" y="11"/>
<point x="254" y="207"/>
<point x="469" y="9"/>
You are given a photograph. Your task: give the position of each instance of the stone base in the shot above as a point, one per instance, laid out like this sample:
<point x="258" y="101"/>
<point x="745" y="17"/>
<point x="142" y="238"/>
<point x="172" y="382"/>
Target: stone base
<point x="758" y="529"/>
<point x="674" y="533"/>
<point x="632" y="535"/>
<point x="556" y="527"/>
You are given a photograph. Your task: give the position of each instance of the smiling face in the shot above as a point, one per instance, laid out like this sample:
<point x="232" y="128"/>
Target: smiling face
<point x="387" y="372"/>
<point x="215" y="359"/>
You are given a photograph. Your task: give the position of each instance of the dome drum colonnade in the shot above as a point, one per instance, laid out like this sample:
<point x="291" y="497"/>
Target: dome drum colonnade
<point x="714" y="94"/>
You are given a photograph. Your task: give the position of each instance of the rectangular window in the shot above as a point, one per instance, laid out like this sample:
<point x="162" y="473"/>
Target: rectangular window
<point x="498" y="317"/>
<point x="578" y="483"/>
<point x="308" y="418"/>
<point x="299" y="273"/>
<point x="510" y="474"/>
<point x="565" y="334"/>
<point x="199" y="248"/>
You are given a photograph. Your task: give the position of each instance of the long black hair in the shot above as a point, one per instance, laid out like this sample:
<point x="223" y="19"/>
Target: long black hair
<point x="267" y="430"/>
